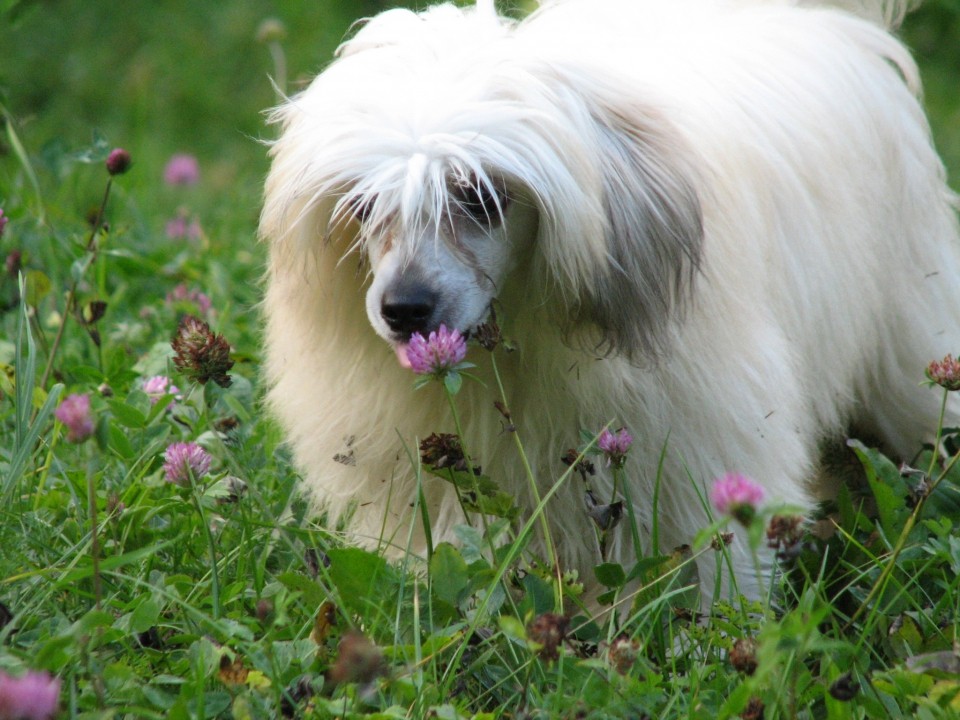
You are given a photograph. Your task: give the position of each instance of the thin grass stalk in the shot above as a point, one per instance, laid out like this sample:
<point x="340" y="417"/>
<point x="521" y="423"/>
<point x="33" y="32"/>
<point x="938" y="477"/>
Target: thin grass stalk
<point x="535" y="492"/>
<point x="404" y="570"/>
<point x="891" y="561"/>
<point x="417" y="646"/>
<point x="26" y="430"/>
<point x="24" y="158"/>
<point x="94" y="538"/>
<point x="513" y="551"/>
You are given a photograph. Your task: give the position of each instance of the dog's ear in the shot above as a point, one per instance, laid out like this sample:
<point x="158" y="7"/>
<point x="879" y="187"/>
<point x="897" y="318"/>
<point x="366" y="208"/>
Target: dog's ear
<point x="634" y="171"/>
<point x="654" y="231"/>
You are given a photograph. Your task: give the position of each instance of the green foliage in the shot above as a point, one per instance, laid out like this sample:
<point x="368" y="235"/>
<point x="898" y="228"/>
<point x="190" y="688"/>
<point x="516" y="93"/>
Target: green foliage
<point x="228" y="598"/>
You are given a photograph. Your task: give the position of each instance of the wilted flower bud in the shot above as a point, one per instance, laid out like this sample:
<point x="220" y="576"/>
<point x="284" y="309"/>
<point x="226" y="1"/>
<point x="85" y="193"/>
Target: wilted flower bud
<point x="358" y="660"/>
<point x="300" y="690"/>
<point x="236" y="489"/>
<point x="264" y="610"/>
<point x="785" y="534"/>
<point x="14" y="261"/>
<point x="623" y="653"/>
<point x="605" y="517"/>
<point x="844" y="688"/>
<point x="584" y="466"/>
<point x="441" y="451"/>
<point x="200" y="354"/>
<point x="488" y="335"/>
<point x="721" y="540"/>
<point x="548" y="631"/>
<point x="743" y="656"/>
<point x="754" y="710"/>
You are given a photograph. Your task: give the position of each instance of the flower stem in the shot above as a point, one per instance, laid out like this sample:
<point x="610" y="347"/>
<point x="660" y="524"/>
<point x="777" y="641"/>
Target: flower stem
<point x="469" y="462"/>
<point x="939" y="438"/>
<point x="91" y="251"/>
<point x="214" y="576"/>
<point x="634" y="527"/>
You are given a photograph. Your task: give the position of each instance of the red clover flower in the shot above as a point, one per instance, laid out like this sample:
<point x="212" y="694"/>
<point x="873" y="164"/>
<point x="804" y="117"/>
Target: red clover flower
<point x="738" y="496"/>
<point x="614" y="446"/>
<point x="184" y="461"/>
<point x="74" y="413"/>
<point x="192" y="296"/>
<point x="32" y="696"/>
<point x="183" y="226"/>
<point x="182" y="169"/>
<point x="13" y="263"/>
<point x="158" y="386"/>
<point x="118" y="161"/>
<point x="437" y="354"/>
<point x="945" y="373"/>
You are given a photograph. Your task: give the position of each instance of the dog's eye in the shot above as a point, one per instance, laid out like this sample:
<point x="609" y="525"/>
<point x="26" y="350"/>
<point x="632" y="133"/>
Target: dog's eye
<point x="360" y="208"/>
<point x="479" y="202"/>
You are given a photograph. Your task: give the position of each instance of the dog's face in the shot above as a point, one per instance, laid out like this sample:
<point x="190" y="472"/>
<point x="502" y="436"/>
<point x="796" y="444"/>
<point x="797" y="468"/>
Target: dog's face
<point x="448" y="269"/>
<point x="464" y="173"/>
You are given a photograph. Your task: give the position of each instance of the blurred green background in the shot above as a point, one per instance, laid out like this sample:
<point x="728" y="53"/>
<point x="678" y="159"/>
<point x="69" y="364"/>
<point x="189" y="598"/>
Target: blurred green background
<point x="158" y="78"/>
<point x="166" y="76"/>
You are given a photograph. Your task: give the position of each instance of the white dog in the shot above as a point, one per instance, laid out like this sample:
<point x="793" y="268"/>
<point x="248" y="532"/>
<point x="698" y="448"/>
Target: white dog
<point x="720" y="224"/>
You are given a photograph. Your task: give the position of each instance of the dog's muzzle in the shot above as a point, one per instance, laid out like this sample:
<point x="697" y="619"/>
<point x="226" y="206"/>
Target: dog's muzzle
<point x="408" y="307"/>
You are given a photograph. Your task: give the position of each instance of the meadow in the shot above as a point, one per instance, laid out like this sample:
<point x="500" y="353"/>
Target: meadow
<point x="156" y="560"/>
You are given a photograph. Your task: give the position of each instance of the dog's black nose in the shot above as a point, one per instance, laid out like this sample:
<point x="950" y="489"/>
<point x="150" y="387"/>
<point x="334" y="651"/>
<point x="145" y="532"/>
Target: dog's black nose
<point x="408" y="308"/>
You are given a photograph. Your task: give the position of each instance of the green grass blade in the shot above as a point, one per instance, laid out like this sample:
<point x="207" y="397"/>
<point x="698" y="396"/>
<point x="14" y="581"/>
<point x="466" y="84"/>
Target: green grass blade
<point x="24" y="159"/>
<point x="26" y="431"/>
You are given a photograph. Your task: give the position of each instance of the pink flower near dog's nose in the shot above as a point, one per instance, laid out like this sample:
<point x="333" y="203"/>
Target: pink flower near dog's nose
<point x="439" y="352"/>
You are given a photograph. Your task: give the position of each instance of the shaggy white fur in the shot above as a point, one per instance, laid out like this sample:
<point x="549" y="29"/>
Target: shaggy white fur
<point x="719" y="223"/>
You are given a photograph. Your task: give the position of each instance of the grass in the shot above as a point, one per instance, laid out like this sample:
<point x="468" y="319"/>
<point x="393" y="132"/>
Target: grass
<point x="225" y="597"/>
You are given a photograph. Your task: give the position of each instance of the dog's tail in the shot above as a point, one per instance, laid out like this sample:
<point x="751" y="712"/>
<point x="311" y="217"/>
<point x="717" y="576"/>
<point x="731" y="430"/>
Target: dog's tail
<point x="889" y="13"/>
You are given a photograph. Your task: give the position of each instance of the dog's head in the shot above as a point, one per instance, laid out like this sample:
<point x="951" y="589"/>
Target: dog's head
<point x="458" y="158"/>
